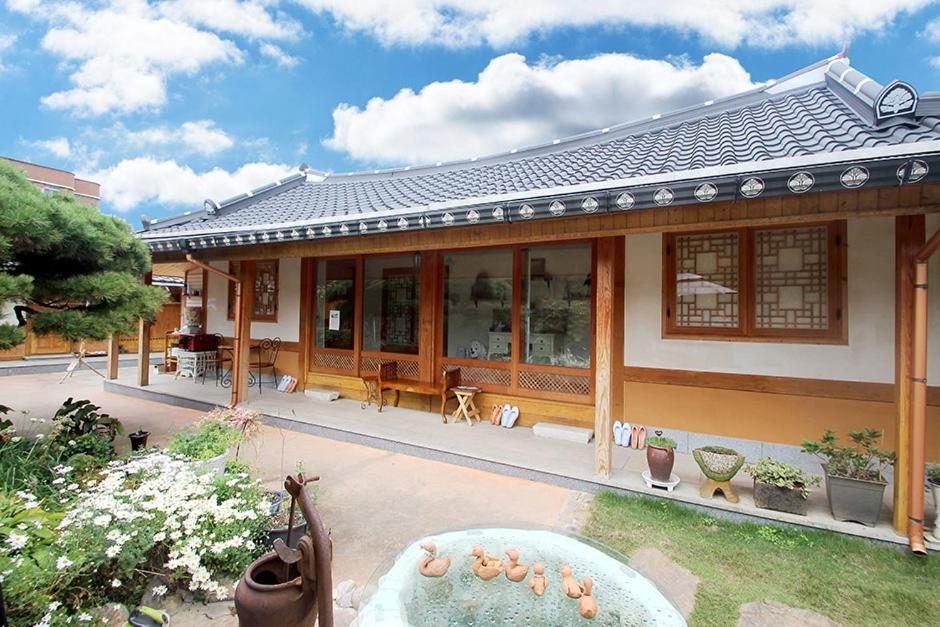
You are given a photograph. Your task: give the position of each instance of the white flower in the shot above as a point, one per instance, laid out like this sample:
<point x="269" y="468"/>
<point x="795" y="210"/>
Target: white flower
<point x="58" y="481"/>
<point x="115" y="583"/>
<point x="159" y="537"/>
<point x="112" y="552"/>
<point x="62" y="563"/>
<point x="102" y="520"/>
<point x="158" y="591"/>
<point x="54" y="606"/>
<point x="16" y="439"/>
<point x="84" y="617"/>
<point x="17" y="540"/>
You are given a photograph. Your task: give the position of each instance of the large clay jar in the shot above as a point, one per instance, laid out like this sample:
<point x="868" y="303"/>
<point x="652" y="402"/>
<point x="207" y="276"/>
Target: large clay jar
<point x="660" y="461"/>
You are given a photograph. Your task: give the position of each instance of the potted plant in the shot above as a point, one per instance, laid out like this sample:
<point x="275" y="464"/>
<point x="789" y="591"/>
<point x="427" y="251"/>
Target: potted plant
<point x="207" y="445"/>
<point x="139" y="439"/>
<point x="855" y="482"/>
<point x="279" y="519"/>
<point x="719" y="465"/>
<point x="660" y="456"/>
<point x="780" y="487"/>
<point x="933" y="478"/>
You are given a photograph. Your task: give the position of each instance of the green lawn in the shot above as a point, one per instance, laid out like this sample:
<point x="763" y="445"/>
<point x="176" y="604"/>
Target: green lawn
<point x="851" y="581"/>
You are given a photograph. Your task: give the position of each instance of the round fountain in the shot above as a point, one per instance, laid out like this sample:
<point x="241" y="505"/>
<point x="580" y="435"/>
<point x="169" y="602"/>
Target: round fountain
<point x="402" y="596"/>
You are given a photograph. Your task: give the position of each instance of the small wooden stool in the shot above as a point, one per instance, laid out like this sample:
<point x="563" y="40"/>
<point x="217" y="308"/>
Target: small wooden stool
<point x="711" y="486"/>
<point x="370" y="383"/>
<point x="466" y="407"/>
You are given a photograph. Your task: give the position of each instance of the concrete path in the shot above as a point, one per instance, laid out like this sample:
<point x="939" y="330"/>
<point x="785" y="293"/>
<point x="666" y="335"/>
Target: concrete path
<point x="375" y="502"/>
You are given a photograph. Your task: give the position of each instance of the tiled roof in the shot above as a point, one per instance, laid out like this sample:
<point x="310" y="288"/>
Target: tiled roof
<point x="823" y="110"/>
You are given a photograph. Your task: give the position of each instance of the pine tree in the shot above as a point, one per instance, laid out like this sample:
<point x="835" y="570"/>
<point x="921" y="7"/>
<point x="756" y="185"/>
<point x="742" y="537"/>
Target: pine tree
<point x="66" y="268"/>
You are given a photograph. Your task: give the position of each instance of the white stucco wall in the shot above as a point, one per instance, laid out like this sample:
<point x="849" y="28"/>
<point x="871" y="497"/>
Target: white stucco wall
<point x="287" y="326"/>
<point x="869" y="355"/>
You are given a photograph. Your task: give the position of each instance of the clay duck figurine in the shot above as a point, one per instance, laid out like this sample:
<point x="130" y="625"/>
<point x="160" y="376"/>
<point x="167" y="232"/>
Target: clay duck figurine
<point x="538" y="583"/>
<point x="588" y="606"/>
<point x="485" y="567"/>
<point x="569" y="584"/>
<point x="514" y="570"/>
<point x="431" y="565"/>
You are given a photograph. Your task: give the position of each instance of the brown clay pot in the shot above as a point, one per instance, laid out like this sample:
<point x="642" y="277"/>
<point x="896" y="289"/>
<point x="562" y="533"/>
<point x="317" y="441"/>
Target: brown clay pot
<point x="272" y="594"/>
<point x="660" y="461"/>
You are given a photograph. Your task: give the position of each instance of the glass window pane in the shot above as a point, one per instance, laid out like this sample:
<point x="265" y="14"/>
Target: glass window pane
<point x="390" y="305"/>
<point x="336" y="298"/>
<point x="707" y="272"/>
<point x="792" y="278"/>
<point x="556" y="306"/>
<point x="478" y="305"/>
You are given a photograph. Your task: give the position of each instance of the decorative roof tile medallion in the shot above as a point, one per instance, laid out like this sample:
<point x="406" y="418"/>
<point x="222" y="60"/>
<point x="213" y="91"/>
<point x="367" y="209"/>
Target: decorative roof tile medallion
<point x="447" y="219"/>
<point x="705" y="192"/>
<point x="752" y="187"/>
<point x="202" y="243"/>
<point x="251" y="237"/>
<point x="265" y="237"/>
<point x="853" y="177"/>
<point x="898" y="98"/>
<point x="473" y="216"/>
<point x="663" y="196"/>
<point x="801" y="182"/>
<point x="238" y="239"/>
<point x="557" y="208"/>
<point x="344" y="229"/>
<point x="327" y="231"/>
<point x="363" y="227"/>
<point x="589" y="204"/>
<point x="383" y="225"/>
<point x="403" y="224"/>
<point x="424" y="221"/>
<point x="526" y="212"/>
<point x="498" y="213"/>
<point x="626" y="200"/>
<point x="311" y="232"/>
<point x="279" y="235"/>
<point x="225" y="241"/>
<point x="919" y="170"/>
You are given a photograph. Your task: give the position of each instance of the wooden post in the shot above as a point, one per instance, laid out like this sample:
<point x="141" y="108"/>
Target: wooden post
<point x="909" y="235"/>
<point x="428" y="306"/>
<point x="143" y="345"/>
<point x="244" y="306"/>
<point x="606" y="360"/>
<point x="114" y="352"/>
<point x="308" y="280"/>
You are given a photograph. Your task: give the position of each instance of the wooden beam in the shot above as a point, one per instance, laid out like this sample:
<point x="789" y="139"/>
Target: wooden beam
<point x="114" y="352"/>
<point x="909" y="234"/>
<point x="428" y="307"/>
<point x="604" y="284"/>
<point x="244" y="306"/>
<point x="143" y="345"/>
<point x="617" y="347"/>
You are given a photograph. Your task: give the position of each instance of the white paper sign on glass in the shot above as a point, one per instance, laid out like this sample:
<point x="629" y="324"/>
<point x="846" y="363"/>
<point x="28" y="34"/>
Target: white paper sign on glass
<point x="334" y="319"/>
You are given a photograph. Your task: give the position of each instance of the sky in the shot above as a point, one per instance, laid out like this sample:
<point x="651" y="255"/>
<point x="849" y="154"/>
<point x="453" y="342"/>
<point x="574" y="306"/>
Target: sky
<point x="167" y="103"/>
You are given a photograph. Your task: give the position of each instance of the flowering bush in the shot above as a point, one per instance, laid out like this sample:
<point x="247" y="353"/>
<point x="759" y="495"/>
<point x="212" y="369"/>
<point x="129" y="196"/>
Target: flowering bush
<point x="146" y="516"/>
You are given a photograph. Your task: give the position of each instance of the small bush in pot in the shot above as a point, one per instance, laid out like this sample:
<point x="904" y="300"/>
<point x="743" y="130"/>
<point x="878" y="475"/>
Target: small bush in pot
<point x="780" y="487"/>
<point x="855" y="480"/>
<point x="660" y="457"/>
<point x="933" y="479"/>
<point x="207" y="445"/>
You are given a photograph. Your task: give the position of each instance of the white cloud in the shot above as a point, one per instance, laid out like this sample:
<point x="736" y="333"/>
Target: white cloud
<point x="276" y="54"/>
<point x="6" y="42"/>
<point x="729" y="23"/>
<point x="58" y="146"/>
<point x="514" y="104"/>
<point x="133" y="182"/>
<point x="199" y="136"/>
<point x="249" y="18"/>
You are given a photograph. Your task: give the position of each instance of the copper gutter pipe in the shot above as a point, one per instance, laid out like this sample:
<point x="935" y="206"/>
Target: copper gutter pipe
<point x="915" y="508"/>
<point x="212" y="269"/>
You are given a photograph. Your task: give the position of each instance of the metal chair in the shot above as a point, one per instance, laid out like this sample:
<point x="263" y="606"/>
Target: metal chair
<point x="267" y="358"/>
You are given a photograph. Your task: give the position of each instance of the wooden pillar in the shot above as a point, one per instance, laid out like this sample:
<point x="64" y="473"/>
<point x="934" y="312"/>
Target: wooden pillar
<point x="114" y="352"/>
<point x="909" y="235"/>
<point x="605" y="372"/>
<point x="143" y="345"/>
<point x="428" y="306"/>
<point x="244" y="306"/>
<point x="308" y="280"/>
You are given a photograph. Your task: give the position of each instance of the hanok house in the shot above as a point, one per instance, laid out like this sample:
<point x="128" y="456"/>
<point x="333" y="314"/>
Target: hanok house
<point x="740" y="269"/>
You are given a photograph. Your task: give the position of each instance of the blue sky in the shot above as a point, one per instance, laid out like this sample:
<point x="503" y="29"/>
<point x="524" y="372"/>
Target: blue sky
<point x="167" y="103"/>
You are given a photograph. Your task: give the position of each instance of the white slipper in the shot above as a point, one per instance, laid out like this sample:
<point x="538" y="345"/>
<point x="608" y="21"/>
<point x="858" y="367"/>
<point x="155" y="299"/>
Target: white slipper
<point x="618" y="432"/>
<point x="505" y="417"/>
<point x="513" y="417"/>
<point x="625" y="438"/>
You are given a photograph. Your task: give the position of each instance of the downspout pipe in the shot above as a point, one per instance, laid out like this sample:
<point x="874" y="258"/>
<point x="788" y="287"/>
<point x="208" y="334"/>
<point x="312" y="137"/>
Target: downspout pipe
<point x="915" y="509"/>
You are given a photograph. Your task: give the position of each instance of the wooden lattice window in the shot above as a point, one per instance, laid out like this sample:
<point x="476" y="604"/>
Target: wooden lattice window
<point x="266" y="290"/>
<point x="767" y="283"/>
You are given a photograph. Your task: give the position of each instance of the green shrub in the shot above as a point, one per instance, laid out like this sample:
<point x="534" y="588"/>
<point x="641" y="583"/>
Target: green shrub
<point x="861" y="460"/>
<point x="933" y="474"/>
<point x="211" y="438"/>
<point x="77" y="418"/>
<point x="770" y="471"/>
<point x="661" y="442"/>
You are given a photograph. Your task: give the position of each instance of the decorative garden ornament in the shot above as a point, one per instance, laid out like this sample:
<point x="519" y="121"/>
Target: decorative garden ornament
<point x="431" y="565"/>
<point x="587" y="605"/>
<point x="485" y="567"/>
<point x="569" y="584"/>
<point x="539" y="582"/>
<point x="719" y="465"/>
<point x="514" y="570"/>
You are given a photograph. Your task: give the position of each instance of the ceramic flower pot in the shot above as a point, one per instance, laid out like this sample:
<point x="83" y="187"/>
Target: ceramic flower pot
<point x="935" y="488"/>
<point x="214" y="465"/>
<point x="789" y="500"/>
<point x="855" y="500"/>
<point x="660" y="461"/>
<point x="139" y="440"/>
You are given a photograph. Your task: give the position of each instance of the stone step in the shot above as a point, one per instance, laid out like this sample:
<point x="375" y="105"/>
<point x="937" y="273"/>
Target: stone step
<point x="321" y="394"/>
<point x="562" y="432"/>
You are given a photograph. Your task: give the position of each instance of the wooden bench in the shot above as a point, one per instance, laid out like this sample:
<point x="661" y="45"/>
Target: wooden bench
<point x="388" y="379"/>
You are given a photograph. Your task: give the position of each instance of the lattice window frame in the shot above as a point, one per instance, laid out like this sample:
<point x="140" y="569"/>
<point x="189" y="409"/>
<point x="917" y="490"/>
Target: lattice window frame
<point x="265" y="267"/>
<point x="747" y="328"/>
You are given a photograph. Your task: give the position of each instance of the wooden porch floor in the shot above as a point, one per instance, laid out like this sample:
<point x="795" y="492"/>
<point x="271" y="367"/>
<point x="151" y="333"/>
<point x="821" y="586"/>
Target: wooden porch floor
<point x="516" y="452"/>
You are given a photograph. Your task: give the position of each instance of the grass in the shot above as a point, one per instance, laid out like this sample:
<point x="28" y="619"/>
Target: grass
<point x="851" y="581"/>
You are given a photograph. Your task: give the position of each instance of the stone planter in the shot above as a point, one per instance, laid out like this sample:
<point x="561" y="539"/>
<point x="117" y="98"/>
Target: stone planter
<point x="935" y="488"/>
<point x="214" y="465"/>
<point x="718" y="463"/>
<point x="855" y="500"/>
<point x="660" y="461"/>
<point x="789" y="500"/>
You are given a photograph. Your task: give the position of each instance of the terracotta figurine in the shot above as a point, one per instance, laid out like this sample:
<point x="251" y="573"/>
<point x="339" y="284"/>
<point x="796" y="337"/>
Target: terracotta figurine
<point x="538" y="583"/>
<point x="514" y="570"/>
<point x="431" y="565"/>
<point x="485" y="567"/>
<point x="569" y="584"/>
<point x="588" y="606"/>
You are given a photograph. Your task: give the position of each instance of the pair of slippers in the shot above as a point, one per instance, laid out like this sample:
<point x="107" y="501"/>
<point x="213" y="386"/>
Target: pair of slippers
<point x="505" y="415"/>
<point x="629" y="436"/>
